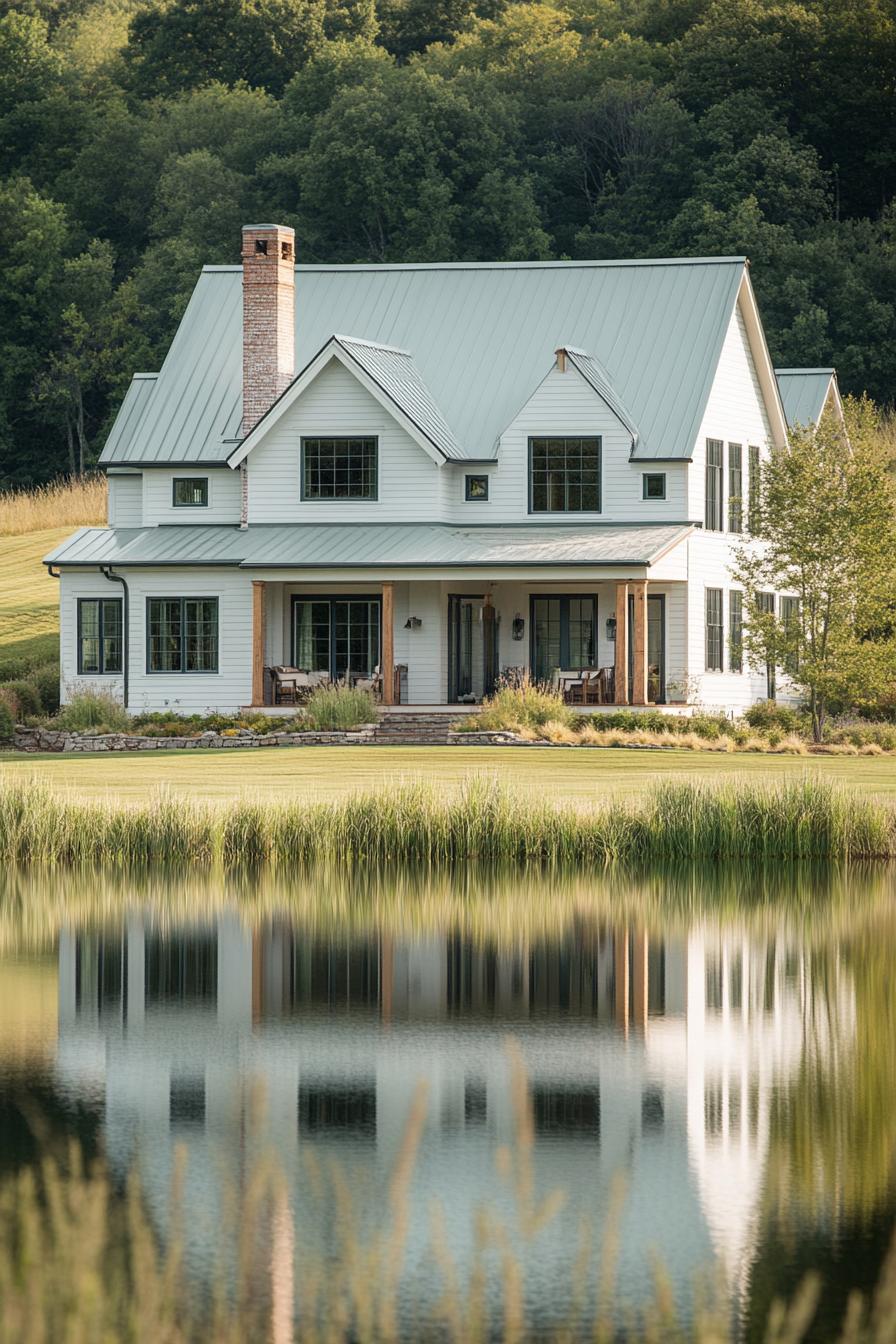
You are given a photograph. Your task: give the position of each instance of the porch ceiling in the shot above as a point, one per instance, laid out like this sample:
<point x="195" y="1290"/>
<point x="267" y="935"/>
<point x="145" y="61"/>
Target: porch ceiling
<point x="380" y="546"/>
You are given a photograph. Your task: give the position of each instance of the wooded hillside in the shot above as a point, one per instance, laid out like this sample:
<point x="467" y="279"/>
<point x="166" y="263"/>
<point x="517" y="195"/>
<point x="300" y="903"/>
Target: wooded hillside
<point x="136" y="138"/>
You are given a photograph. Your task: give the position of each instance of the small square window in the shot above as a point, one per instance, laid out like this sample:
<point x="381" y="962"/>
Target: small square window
<point x="476" y="487"/>
<point x="653" y="485"/>
<point x="190" y="492"/>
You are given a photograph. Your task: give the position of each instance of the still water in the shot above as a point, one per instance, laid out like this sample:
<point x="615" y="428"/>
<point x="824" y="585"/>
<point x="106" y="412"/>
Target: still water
<point x="708" y="1057"/>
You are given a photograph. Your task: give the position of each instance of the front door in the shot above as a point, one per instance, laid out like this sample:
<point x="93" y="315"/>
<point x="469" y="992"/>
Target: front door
<point x="336" y="635"/>
<point x="472" y="649"/>
<point x="656" y="649"/>
<point x="564" y="634"/>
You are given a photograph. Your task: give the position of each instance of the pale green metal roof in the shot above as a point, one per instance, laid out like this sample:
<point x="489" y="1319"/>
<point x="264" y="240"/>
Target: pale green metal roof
<point x="368" y="545"/>
<point x="396" y="372"/>
<point x="598" y="378"/>
<point x="804" y="393"/>
<point x="482" y="337"/>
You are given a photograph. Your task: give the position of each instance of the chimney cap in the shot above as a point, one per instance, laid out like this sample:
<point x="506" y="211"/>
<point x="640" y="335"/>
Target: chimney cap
<point x="273" y="228"/>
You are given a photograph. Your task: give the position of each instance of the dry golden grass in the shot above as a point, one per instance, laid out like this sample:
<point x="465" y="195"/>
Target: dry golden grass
<point x="79" y="502"/>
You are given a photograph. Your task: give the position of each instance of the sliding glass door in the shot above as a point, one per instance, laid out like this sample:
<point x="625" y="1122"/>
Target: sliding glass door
<point x="564" y="634"/>
<point x="336" y="635"/>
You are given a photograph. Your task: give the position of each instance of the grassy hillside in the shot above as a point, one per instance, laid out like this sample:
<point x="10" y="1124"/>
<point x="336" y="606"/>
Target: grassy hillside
<point x="29" y="598"/>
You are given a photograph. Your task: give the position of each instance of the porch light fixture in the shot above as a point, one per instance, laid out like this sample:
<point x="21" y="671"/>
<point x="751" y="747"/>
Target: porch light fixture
<point x="611" y="629"/>
<point x="413" y="623"/>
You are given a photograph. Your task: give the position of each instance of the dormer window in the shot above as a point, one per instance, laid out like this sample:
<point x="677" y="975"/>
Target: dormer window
<point x="334" y="469"/>
<point x="190" y="492"/>
<point x="564" y="475"/>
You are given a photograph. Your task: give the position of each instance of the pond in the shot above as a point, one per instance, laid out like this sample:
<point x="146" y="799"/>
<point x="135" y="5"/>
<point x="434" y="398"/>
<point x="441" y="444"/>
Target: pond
<point x="691" y="1069"/>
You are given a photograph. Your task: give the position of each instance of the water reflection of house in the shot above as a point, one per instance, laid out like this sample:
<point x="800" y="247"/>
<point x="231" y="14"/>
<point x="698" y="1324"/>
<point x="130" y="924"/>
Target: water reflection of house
<point x="655" y="1059"/>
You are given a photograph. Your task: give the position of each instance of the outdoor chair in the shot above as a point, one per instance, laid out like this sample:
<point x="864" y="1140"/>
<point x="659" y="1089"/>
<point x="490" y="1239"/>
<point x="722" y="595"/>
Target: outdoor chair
<point x="283" y="681"/>
<point x="373" y="683"/>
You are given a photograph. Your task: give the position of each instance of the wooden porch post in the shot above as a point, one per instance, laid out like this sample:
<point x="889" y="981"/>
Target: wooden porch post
<point x="388" y="641"/>
<point x="621" y="673"/>
<point x="620" y="956"/>
<point x="639" y="978"/>
<point x="639" y="641"/>
<point x="258" y="588"/>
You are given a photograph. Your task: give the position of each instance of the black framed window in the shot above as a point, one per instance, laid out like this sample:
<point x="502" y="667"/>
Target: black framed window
<point x="653" y="485"/>
<point x="714" y="485"/>
<point x="790" y="615"/>
<point x="336" y="635"/>
<point x="189" y="492"/>
<point x="100" y="635"/>
<point x="755" y="476"/>
<point x="766" y="603"/>
<point x="339" y="469"/>
<point x="736" y="630"/>
<point x="475" y="487"/>
<point x="564" y="475"/>
<point x="564" y="633"/>
<point x="714" y="632"/>
<point x="181" y="634"/>
<point x="735" y="488"/>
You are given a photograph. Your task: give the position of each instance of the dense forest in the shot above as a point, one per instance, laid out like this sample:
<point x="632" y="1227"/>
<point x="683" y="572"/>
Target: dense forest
<point x="136" y="136"/>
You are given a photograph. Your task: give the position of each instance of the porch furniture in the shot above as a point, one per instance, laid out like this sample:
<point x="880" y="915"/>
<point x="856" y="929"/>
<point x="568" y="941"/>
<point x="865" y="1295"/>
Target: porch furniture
<point x="373" y="683"/>
<point x="568" y="683"/>
<point x="598" y="687"/>
<point x="283" y="684"/>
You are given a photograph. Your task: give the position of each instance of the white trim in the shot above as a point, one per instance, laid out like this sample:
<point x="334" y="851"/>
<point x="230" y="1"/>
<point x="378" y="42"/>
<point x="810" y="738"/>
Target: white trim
<point x="765" y="370"/>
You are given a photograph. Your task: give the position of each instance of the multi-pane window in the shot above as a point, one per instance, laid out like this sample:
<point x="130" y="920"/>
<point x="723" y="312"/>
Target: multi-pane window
<point x="766" y="603"/>
<point x="714" y="631"/>
<point x="564" y="634"/>
<point x="714" y="486"/>
<point x="100" y="636"/>
<point x="790" y="615"/>
<point x="565" y="475"/>
<point x="736" y="630"/>
<point x="182" y="634"/>
<point x="754" y="482"/>
<point x="190" y="492"/>
<point x="653" y="485"/>
<point x="475" y="487"/>
<point x="339" y="469"/>
<point x="338" y="636"/>
<point x="735" y="488"/>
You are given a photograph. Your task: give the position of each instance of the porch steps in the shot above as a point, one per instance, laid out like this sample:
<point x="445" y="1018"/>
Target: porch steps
<point x="407" y="728"/>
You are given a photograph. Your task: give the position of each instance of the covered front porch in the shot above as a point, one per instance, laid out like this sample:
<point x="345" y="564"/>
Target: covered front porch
<point x="451" y="641"/>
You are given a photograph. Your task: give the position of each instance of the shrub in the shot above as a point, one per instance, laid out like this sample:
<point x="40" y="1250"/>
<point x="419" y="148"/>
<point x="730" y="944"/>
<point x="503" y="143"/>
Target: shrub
<point x="630" y="721"/>
<point x="92" y="712"/>
<point x="23" y="698"/>
<point x="528" y="706"/>
<point x="7" y="724"/>
<point x="45" y="681"/>
<point x="709" y="726"/>
<point x="862" y="733"/>
<point x="767" y="716"/>
<point x="339" y="707"/>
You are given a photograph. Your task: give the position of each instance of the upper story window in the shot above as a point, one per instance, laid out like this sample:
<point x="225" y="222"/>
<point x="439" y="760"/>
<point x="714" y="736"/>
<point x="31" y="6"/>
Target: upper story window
<point x="190" y="492"/>
<point x="753" y="483"/>
<point x="475" y="487"/>
<point x="653" y="485"/>
<point x="339" y="469"/>
<point x="735" y="488"/>
<point x="714" y="488"/>
<point x="99" y="635"/>
<point x="564" y="475"/>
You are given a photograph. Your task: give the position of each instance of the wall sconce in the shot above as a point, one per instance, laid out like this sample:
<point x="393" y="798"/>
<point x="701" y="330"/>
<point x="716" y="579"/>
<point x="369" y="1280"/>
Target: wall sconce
<point x="611" y="629"/>
<point x="413" y="623"/>
<point x="518" y="627"/>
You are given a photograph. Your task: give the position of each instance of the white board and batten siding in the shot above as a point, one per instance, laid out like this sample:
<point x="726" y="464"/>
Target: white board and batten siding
<point x="181" y="692"/>
<point x="409" y="482"/>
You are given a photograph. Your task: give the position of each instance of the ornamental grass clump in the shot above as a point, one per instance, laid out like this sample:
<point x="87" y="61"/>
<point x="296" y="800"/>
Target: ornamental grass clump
<point x="339" y="708"/>
<point x="529" y="706"/>
<point x="93" y="712"/>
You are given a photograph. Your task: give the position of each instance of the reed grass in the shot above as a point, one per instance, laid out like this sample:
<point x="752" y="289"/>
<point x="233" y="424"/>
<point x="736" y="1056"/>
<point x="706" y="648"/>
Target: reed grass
<point x="68" y="502"/>
<point x="675" y="822"/>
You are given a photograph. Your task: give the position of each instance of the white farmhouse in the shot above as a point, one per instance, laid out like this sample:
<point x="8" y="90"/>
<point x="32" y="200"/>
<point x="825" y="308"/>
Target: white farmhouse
<point x="435" y="475"/>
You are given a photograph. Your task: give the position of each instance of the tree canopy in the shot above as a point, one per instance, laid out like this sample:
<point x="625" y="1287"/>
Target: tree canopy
<point x="137" y="135"/>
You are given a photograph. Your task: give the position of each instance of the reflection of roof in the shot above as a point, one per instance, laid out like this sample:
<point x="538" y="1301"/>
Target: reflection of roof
<point x="482" y="337"/>
<point x="342" y="545"/>
<point x="804" y="393"/>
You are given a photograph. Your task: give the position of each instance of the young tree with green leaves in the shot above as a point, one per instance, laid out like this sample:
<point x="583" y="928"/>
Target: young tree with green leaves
<point x="823" y="527"/>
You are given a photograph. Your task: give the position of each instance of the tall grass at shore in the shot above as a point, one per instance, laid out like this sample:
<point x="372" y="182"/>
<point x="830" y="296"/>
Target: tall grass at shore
<point x="69" y="502"/>
<point x="676" y="822"/>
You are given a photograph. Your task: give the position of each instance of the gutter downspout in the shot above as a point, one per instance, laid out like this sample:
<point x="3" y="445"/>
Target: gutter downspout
<point x="106" y="571"/>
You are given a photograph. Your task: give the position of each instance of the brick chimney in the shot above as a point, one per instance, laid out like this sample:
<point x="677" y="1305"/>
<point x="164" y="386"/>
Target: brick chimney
<point x="269" y="340"/>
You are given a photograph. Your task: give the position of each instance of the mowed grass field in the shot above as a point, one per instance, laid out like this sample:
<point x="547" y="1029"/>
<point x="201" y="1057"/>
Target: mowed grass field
<point x="29" y="598"/>
<point x="577" y="775"/>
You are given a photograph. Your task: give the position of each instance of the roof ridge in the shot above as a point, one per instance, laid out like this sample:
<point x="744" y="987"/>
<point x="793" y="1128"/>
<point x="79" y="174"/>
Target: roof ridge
<point x="579" y="264"/>
<point x="372" y="345"/>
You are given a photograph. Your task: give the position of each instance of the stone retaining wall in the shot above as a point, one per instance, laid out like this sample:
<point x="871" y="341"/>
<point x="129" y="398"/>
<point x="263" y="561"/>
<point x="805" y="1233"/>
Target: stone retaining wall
<point x="52" y="740"/>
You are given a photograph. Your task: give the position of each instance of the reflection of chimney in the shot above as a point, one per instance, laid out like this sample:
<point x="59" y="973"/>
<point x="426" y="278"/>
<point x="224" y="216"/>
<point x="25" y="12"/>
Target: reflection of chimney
<point x="269" y="331"/>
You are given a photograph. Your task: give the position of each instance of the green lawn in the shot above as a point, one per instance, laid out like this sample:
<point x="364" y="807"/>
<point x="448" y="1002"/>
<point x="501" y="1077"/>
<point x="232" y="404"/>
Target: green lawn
<point x="29" y="598"/>
<point x="328" y="772"/>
